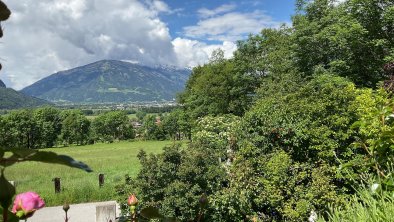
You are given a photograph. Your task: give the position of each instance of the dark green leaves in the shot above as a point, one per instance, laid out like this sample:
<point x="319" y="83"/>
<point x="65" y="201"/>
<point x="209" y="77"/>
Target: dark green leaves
<point x="7" y="191"/>
<point x="4" y="11"/>
<point x="152" y="213"/>
<point x="20" y="155"/>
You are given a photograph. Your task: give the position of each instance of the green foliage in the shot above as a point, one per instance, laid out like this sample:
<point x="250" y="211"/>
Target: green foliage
<point x="219" y="134"/>
<point x="285" y="166"/>
<point x="273" y="187"/>
<point x="364" y="206"/>
<point x="114" y="125"/>
<point x="375" y="136"/>
<point x="228" y="86"/>
<point x="351" y="39"/>
<point x="75" y="127"/>
<point x="11" y="99"/>
<point x="265" y="54"/>
<point x="19" y="130"/>
<point x="177" y="124"/>
<point x="174" y="180"/>
<point x="152" y="129"/>
<point x="140" y="115"/>
<point x="208" y="90"/>
<point x="48" y="125"/>
<point x="310" y="121"/>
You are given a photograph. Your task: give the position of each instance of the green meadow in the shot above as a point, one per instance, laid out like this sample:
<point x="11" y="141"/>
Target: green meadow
<point x="114" y="160"/>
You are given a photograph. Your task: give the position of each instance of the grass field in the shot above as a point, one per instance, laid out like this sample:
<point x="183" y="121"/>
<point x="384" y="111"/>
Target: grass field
<point x="114" y="160"/>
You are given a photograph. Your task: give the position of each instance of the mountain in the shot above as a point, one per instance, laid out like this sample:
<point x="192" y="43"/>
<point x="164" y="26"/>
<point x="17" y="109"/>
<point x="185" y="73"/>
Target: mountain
<point x="111" y="81"/>
<point x="2" y="85"/>
<point x="11" y="99"/>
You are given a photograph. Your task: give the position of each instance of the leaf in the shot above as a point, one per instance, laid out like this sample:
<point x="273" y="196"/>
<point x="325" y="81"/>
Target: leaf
<point x="12" y="217"/>
<point x="151" y="213"/>
<point x="17" y="156"/>
<point x="7" y="192"/>
<point x="51" y="157"/>
<point x="20" y="155"/>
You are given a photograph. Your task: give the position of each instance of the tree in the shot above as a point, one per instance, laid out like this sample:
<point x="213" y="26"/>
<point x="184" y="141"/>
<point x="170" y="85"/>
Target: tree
<point x="171" y="125"/>
<point x="140" y="115"/>
<point x="177" y="124"/>
<point x="114" y="125"/>
<point x="22" y="129"/>
<point x="151" y="129"/>
<point x="208" y="90"/>
<point x="75" y="127"/>
<point x="287" y="158"/>
<point x="48" y="123"/>
<point x="229" y="86"/>
<point x="174" y="180"/>
<point x="353" y="39"/>
<point x="6" y="134"/>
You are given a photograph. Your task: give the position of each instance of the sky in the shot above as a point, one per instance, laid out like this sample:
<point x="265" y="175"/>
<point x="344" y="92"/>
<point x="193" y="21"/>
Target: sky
<point x="46" y="36"/>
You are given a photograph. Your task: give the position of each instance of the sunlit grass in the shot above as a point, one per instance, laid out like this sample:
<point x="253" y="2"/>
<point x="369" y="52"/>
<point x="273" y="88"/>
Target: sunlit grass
<point x="114" y="160"/>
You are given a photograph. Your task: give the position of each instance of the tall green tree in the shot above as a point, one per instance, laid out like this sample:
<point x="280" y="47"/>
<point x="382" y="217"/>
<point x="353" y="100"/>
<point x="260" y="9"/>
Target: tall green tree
<point x="22" y="130"/>
<point x="353" y="39"/>
<point x="152" y="129"/>
<point x="208" y="89"/>
<point x="75" y="127"/>
<point x="48" y="123"/>
<point x="286" y="164"/>
<point x="177" y="124"/>
<point x="114" y="125"/>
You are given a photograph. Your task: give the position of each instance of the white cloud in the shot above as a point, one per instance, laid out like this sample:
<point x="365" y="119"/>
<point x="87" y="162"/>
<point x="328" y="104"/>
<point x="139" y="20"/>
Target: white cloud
<point x="191" y="53"/>
<point x="231" y="26"/>
<point x="206" y="13"/>
<point x="46" y="36"/>
<point x="158" y="6"/>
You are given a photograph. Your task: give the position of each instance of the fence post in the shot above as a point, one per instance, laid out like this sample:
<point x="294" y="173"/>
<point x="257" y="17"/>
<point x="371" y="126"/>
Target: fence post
<point x="57" y="184"/>
<point x="101" y="179"/>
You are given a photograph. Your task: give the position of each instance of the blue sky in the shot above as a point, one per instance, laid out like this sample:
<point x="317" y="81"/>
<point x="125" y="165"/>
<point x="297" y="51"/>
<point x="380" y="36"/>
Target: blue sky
<point x="47" y="36"/>
<point x="186" y="13"/>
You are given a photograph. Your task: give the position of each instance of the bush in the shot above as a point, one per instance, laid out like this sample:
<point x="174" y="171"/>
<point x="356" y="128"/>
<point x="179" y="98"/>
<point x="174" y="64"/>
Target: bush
<point x="174" y="180"/>
<point x="364" y="206"/>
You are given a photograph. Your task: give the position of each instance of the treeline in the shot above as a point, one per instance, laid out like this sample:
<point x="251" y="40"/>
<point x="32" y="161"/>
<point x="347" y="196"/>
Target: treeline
<point x="147" y="109"/>
<point x="49" y="127"/>
<point x="297" y="121"/>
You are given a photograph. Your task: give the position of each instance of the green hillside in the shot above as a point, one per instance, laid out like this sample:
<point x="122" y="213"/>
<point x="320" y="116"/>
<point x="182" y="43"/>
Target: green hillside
<point x="11" y="99"/>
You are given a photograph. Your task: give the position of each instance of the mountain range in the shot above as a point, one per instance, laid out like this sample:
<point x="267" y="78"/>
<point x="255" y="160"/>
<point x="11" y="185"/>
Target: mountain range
<point x="111" y="81"/>
<point x="11" y="99"/>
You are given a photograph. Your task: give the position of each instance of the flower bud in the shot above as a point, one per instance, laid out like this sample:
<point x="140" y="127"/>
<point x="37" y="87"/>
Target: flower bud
<point x="26" y="204"/>
<point x="66" y="207"/>
<point x="132" y="201"/>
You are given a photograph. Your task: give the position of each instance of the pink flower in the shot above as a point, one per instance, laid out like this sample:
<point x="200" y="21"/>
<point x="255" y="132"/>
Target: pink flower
<point x="132" y="201"/>
<point x="26" y="204"/>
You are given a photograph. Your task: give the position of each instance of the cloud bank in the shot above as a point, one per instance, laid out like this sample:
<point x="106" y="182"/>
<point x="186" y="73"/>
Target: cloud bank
<point x="46" y="36"/>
